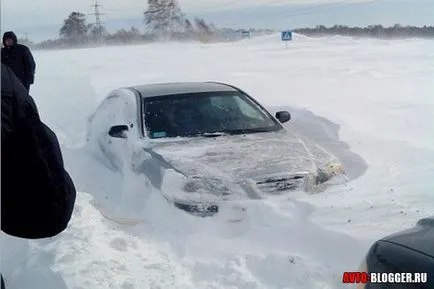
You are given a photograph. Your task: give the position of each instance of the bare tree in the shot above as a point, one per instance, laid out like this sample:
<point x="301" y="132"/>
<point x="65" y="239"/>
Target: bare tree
<point x="202" y="26"/>
<point x="188" y="26"/>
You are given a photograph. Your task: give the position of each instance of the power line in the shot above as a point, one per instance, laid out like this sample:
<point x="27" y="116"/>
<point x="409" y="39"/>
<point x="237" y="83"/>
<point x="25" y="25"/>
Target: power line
<point x="312" y="10"/>
<point x="228" y="4"/>
<point x="302" y="11"/>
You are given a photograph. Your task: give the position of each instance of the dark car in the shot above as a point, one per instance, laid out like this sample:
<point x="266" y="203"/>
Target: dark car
<point x="409" y="251"/>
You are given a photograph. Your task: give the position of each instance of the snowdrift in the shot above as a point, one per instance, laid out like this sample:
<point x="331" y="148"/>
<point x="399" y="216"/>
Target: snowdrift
<point x="379" y="92"/>
<point x="178" y="251"/>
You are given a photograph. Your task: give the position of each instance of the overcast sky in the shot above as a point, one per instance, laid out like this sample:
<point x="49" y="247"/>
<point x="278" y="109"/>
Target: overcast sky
<point x="41" y="19"/>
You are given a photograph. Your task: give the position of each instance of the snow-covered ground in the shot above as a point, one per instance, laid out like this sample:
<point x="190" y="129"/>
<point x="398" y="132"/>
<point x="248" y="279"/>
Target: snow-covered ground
<point x="368" y="101"/>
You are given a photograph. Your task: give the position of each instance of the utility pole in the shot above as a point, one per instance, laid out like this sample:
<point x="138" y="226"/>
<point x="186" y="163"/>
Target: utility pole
<point x="26" y="38"/>
<point x="171" y="5"/>
<point x="98" y="24"/>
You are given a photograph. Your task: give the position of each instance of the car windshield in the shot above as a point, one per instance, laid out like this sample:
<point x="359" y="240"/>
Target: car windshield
<point x="200" y="114"/>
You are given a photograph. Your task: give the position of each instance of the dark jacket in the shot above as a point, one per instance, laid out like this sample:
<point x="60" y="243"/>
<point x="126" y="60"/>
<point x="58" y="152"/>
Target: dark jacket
<point x="19" y="58"/>
<point x="37" y="194"/>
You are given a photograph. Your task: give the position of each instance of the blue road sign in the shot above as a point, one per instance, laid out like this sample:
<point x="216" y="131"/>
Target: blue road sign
<point x="286" y="35"/>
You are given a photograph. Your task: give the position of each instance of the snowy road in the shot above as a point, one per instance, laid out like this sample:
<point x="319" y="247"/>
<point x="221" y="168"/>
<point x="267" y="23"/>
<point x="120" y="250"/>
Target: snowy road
<point x="368" y="101"/>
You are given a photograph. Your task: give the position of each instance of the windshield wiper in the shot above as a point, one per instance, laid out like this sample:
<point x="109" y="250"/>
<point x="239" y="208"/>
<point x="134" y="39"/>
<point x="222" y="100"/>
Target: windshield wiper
<point x="213" y="134"/>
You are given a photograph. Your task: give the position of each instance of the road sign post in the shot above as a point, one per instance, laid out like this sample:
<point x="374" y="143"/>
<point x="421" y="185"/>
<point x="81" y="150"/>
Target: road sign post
<point x="286" y="37"/>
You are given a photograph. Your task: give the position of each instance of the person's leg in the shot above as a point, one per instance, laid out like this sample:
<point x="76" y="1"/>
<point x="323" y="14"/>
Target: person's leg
<point x="3" y="283"/>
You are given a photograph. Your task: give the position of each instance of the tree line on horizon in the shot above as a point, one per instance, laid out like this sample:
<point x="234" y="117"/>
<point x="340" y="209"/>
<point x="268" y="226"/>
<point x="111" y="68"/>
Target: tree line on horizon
<point x="372" y="31"/>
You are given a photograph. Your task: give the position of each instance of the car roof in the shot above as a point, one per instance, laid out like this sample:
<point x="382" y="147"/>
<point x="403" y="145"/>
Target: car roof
<point x="160" y="89"/>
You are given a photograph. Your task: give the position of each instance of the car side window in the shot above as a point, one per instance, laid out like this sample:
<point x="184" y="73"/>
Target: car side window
<point x="248" y="110"/>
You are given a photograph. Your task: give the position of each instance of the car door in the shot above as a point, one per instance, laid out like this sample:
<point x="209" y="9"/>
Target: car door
<point x="120" y="109"/>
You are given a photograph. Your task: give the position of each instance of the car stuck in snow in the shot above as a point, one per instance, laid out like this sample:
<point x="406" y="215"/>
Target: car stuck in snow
<point x="222" y="141"/>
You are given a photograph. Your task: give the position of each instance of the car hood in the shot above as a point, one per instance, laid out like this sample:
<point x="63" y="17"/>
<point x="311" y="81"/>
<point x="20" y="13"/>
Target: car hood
<point x="419" y="238"/>
<point x="274" y="161"/>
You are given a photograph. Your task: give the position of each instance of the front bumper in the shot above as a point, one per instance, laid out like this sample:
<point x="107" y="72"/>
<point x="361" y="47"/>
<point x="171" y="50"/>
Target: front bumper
<point x="277" y="184"/>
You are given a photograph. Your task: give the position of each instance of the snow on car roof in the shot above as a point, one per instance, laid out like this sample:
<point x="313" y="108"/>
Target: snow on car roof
<point x="159" y="89"/>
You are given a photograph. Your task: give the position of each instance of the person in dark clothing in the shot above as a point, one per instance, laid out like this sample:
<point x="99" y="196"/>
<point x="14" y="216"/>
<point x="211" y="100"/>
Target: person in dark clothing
<point x="37" y="193"/>
<point x="19" y="58"/>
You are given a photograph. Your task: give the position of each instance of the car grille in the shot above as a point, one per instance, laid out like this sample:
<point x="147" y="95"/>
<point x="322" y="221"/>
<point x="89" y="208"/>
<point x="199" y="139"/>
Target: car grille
<point x="282" y="184"/>
<point x="200" y="210"/>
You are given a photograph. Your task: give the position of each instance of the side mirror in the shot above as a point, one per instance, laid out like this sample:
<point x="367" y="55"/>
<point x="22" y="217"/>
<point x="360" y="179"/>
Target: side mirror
<point x="118" y="131"/>
<point x="283" y="116"/>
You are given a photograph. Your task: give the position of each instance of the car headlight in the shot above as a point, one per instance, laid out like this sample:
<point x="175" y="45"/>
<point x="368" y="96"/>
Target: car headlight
<point x="330" y="171"/>
<point x="334" y="168"/>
